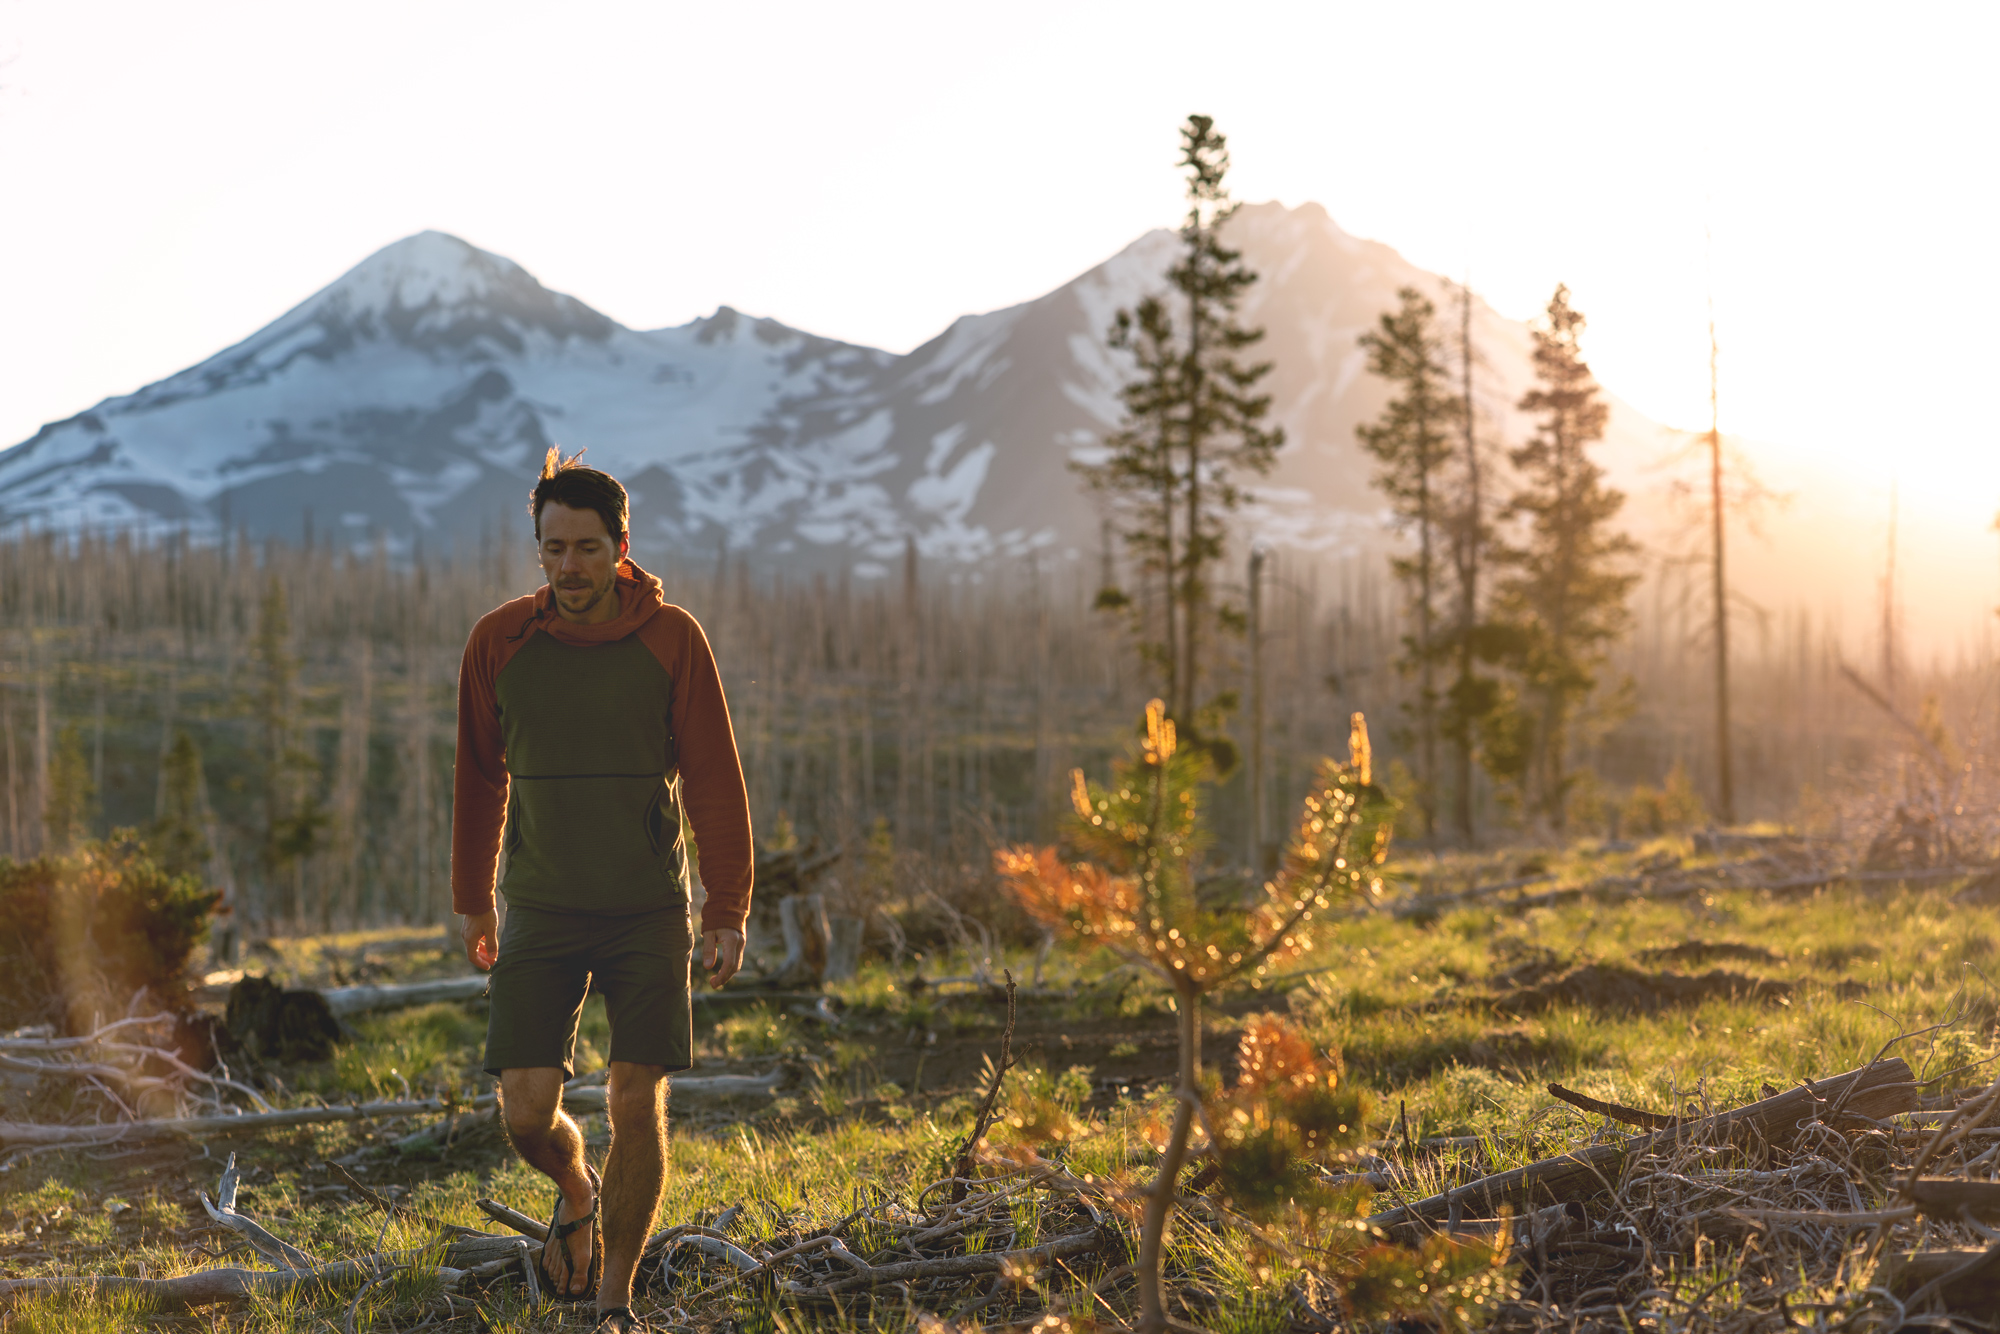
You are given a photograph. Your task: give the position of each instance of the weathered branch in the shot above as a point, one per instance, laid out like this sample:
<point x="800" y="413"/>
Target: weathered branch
<point x="951" y="1266"/>
<point x="583" y="1098"/>
<point x="1631" y="1116"/>
<point x="717" y="1247"/>
<point x="989" y="1106"/>
<point x="1879" y="1090"/>
<point x="275" y="1249"/>
<point x="513" y="1218"/>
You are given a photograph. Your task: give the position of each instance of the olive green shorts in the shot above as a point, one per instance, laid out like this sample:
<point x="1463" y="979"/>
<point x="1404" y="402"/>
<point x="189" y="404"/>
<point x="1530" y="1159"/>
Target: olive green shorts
<point x="550" y="961"/>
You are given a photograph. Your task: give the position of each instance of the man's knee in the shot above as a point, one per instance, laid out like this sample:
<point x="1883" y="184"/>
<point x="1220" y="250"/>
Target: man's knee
<point x="529" y="1102"/>
<point x="636" y="1093"/>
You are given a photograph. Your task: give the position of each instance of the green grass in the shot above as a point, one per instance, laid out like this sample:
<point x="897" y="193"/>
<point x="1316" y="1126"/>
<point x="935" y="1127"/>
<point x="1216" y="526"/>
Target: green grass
<point x="1409" y="1006"/>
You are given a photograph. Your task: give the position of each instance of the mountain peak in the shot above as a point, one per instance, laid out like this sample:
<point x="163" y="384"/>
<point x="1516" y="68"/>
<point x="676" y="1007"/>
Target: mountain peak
<point x="434" y="289"/>
<point x="428" y="268"/>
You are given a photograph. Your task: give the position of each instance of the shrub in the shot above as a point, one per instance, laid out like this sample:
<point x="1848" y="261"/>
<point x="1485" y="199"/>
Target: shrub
<point x="89" y="929"/>
<point x="1667" y="809"/>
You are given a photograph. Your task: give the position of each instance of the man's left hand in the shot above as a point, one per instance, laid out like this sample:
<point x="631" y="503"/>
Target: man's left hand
<point x="722" y="955"/>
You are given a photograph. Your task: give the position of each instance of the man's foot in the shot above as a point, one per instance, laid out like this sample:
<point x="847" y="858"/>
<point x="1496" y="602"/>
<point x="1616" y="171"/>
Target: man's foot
<point x="617" y="1320"/>
<point x="569" y="1253"/>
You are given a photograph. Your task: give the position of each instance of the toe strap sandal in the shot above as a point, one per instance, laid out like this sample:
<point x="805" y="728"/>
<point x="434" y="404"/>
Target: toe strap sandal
<point x="557" y="1266"/>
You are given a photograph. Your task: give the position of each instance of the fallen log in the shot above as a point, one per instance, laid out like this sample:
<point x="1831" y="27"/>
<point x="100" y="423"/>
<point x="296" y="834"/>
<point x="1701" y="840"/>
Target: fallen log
<point x="576" y="1097"/>
<point x="593" y="1098"/>
<point x="1946" y="1197"/>
<point x="1876" y="1091"/>
<point x="210" y="1287"/>
<point x="17" y="1133"/>
<point x="1960" y="1280"/>
<point x="1424" y="907"/>
<point x="346" y="1002"/>
<point x="470" y="1256"/>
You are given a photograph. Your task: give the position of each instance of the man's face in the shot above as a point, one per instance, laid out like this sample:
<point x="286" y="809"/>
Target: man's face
<point x="581" y="562"/>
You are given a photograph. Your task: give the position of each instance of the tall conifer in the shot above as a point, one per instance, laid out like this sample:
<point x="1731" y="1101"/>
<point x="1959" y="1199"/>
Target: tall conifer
<point x="178" y="836"/>
<point x="1194" y="425"/>
<point x="1565" y="592"/>
<point x="1138" y="474"/>
<point x="72" y="796"/>
<point x="1412" y="441"/>
<point x="1473" y="697"/>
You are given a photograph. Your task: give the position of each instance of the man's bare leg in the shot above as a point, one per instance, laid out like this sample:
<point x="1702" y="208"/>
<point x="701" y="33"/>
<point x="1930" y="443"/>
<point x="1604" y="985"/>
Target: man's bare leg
<point x="531" y="1102"/>
<point x="634" y="1175"/>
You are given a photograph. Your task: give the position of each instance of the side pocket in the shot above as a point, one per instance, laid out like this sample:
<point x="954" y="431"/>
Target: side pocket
<point x="511" y="841"/>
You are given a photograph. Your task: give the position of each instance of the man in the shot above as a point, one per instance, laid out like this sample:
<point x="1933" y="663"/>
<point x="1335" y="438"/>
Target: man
<point x="590" y="714"/>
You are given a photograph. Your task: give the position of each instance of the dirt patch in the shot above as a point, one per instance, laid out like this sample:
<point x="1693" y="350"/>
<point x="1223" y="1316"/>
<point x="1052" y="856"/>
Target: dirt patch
<point x="1837" y="958"/>
<point x="1516" y="1047"/>
<point x="1526" y="965"/>
<point x="1617" y="988"/>
<point x="1708" y="951"/>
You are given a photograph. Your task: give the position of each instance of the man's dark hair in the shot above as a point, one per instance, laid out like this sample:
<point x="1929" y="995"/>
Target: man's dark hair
<point x="567" y="482"/>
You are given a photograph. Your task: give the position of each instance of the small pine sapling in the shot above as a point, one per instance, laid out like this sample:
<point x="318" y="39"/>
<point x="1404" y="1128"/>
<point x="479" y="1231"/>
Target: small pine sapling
<point x="1133" y="892"/>
<point x="1273" y="1140"/>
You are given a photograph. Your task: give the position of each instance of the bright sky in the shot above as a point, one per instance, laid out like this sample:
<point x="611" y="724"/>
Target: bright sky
<point x="172" y="176"/>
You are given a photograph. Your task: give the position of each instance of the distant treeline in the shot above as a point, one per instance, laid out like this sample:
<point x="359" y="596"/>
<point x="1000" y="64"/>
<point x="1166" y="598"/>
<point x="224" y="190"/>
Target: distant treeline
<point x="941" y="707"/>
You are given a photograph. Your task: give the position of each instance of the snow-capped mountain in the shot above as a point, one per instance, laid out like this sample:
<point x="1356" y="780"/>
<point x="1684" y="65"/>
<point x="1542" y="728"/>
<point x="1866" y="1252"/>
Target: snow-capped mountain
<point x="415" y="397"/>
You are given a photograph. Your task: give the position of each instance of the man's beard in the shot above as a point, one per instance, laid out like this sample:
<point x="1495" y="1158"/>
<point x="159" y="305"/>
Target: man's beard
<point x="596" y="594"/>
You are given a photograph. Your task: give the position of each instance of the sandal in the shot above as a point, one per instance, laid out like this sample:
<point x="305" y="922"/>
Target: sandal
<point x="552" y="1245"/>
<point x="608" y="1318"/>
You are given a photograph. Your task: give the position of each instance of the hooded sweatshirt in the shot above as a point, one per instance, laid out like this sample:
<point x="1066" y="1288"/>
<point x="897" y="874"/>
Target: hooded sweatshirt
<point x="583" y="743"/>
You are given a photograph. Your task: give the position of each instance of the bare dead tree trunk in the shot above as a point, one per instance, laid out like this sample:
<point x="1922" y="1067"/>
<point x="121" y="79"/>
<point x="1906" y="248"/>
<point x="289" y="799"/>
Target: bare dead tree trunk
<point x="1725" y="776"/>
<point x="1468" y="578"/>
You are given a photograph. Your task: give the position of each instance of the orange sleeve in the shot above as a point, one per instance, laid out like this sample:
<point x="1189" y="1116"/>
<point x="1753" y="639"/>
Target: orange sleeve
<point x="479" y="774"/>
<point x="718" y="805"/>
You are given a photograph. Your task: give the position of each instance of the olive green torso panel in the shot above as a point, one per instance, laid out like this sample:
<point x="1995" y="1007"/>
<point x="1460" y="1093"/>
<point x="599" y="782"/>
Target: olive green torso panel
<point x="593" y="820"/>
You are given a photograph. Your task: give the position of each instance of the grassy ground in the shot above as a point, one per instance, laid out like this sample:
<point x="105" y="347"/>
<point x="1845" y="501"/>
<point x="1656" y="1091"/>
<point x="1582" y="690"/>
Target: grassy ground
<point x="1456" y="1026"/>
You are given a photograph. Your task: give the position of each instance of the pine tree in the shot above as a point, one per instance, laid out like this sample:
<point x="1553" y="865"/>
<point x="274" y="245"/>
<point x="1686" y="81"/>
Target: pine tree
<point x="177" y="837"/>
<point x="1195" y="424"/>
<point x="1138" y="474"/>
<point x="72" y="799"/>
<point x="1564" y="595"/>
<point x="293" y="814"/>
<point x="1412" y="442"/>
<point x="1472" y="699"/>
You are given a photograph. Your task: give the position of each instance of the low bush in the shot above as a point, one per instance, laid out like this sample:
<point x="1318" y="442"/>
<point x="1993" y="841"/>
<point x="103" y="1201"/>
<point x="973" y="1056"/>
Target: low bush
<point x="89" y="929"/>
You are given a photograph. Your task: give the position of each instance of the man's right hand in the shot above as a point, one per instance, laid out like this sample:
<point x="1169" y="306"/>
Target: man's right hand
<point x="481" y="932"/>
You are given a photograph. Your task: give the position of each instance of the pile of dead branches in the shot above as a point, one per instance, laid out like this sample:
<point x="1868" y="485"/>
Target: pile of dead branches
<point x="125" y="1071"/>
<point x="1849" y="1203"/>
<point x="960" y="1249"/>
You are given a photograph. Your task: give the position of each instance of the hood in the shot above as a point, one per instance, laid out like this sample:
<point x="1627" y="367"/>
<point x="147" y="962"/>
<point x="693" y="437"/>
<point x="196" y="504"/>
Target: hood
<point x="640" y="598"/>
